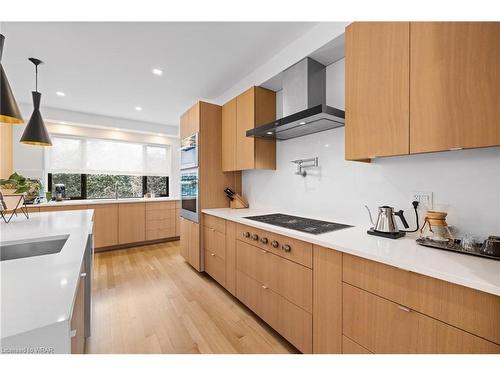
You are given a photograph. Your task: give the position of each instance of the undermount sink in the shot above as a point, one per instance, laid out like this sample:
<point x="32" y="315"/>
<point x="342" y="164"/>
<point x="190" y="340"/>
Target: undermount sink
<point x="32" y="247"/>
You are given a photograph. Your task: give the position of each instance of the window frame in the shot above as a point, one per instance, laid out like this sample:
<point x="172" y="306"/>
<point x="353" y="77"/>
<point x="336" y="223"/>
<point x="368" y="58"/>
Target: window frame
<point x="83" y="185"/>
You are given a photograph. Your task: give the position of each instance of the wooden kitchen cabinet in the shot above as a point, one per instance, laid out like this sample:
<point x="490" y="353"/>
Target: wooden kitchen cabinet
<point x="72" y="207"/>
<point x="327" y="308"/>
<point x="254" y="107"/>
<point x="190" y="243"/>
<point x="160" y="220"/>
<point x="414" y="87"/>
<point x="454" y="85"/>
<point x="105" y="225"/>
<point x="78" y="317"/>
<point x="131" y="222"/>
<point x="231" y="257"/>
<point x="377" y="89"/>
<point x="382" y="326"/>
<point x="190" y="121"/>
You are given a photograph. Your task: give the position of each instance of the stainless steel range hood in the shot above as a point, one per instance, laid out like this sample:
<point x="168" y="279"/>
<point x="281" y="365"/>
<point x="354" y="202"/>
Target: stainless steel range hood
<point x="304" y="104"/>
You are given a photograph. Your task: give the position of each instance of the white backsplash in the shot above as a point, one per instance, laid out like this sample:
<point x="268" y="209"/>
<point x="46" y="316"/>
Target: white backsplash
<point x="466" y="180"/>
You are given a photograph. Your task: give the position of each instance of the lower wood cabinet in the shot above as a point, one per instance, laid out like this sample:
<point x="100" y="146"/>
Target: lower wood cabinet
<point x="78" y="317"/>
<point x="105" y="225"/>
<point x="351" y="347"/>
<point x="382" y="326"/>
<point x="131" y="223"/>
<point x="327" y="309"/>
<point x="72" y="207"/>
<point x="292" y="322"/>
<point x="190" y="243"/>
<point x="160" y="220"/>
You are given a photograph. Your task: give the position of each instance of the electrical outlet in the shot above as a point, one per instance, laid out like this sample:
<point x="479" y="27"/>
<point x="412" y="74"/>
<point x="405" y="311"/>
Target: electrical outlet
<point x="424" y="198"/>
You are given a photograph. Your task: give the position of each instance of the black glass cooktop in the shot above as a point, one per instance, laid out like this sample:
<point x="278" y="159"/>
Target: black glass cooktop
<point x="302" y="224"/>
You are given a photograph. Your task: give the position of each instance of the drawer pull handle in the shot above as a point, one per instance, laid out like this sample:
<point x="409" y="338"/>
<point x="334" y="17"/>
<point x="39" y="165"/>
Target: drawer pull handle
<point x="212" y="254"/>
<point x="265" y="287"/>
<point x="72" y="333"/>
<point x="404" y="308"/>
<point x="83" y="274"/>
<point x="264" y="240"/>
<point x="275" y="244"/>
<point x="212" y="229"/>
<point x="246" y="234"/>
<point x="264" y="251"/>
<point x="287" y="248"/>
<point x="255" y="237"/>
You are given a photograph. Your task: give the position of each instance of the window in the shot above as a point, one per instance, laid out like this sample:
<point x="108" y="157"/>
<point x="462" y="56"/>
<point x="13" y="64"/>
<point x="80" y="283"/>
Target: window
<point x="100" y="168"/>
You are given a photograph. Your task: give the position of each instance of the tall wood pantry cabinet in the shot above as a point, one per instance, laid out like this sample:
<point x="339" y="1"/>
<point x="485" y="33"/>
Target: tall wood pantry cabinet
<point x="414" y="87"/>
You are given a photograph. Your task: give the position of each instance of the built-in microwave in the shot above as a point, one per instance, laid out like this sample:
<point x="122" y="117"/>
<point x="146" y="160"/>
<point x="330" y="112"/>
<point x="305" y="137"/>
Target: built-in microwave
<point x="189" y="194"/>
<point x="189" y="152"/>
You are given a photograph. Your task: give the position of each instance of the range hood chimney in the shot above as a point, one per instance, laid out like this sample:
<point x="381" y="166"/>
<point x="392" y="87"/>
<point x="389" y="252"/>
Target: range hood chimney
<point x="304" y="104"/>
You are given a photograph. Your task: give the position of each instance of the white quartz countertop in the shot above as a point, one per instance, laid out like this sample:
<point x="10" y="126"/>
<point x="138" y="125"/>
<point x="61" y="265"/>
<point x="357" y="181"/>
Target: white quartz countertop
<point x="102" y="201"/>
<point x="470" y="271"/>
<point x="39" y="291"/>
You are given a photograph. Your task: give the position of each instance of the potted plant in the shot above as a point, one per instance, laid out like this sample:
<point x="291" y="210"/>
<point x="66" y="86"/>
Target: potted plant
<point x="17" y="184"/>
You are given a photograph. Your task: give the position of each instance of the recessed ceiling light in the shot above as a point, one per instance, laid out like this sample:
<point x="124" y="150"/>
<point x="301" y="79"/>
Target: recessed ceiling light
<point x="60" y="93"/>
<point x="138" y="108"/>
<point x="302" y="123"/>
<point x="157" y="72"/>
<point x="269" y="133"/>
<point x="117" y="129"/>
<point x="63" y="122"/>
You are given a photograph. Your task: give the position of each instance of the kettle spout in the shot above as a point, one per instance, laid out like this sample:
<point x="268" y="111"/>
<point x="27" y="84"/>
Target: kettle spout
<point x="369" y="214"/>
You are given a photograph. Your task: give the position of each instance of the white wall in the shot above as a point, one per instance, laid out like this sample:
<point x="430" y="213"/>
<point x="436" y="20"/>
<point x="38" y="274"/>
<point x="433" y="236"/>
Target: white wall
<point x="467" y="180"/>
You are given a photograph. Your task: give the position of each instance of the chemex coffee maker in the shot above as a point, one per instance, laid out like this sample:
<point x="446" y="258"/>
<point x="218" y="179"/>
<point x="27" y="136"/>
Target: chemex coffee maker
<point x="386" y="225"/>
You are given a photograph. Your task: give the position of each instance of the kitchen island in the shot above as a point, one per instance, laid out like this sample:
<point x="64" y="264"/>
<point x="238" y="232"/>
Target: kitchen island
<point x="45" y="299"/>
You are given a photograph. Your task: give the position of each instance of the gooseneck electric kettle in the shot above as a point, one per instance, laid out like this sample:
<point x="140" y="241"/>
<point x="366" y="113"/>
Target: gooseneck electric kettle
<point x="386" y="225"/>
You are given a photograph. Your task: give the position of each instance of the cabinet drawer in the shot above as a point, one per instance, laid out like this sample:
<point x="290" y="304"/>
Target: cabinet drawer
<point x="214" y="242"/>
<point x="215" y="267"/>
<point x="382" y="326"/>
<point x="351" y="347"/>
<point x="471" y="310"/>
<point x="300" y="251"/>
<point x="215" y="223"/>
<point x="157" y="234"/>
<point x="155" y="206"/>
<point x="160" y="224"/>
<point x="159" y="214"/>
<point x="288" y="279"/>
<point x="289" y="320"/>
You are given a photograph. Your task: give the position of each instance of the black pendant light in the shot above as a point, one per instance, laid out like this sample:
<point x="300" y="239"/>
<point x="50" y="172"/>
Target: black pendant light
<point x="36" y="133"/>
<point x="9" y="111"/>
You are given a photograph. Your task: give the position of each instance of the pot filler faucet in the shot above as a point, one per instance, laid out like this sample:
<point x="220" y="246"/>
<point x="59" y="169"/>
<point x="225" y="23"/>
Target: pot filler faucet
<point x="305" y="163"/>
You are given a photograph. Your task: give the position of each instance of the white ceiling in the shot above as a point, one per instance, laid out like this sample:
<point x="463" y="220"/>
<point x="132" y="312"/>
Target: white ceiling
<point x="105" y="68"/>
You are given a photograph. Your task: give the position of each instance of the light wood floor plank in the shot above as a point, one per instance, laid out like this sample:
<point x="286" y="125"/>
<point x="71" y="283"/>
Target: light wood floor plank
<point x="149" y="300"/>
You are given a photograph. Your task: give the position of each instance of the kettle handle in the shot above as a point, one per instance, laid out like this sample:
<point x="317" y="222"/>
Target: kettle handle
<point x="369" y="214"/>
<point x="402" y="217"/>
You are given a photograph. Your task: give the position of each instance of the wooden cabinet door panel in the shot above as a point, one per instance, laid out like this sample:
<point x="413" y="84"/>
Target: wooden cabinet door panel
<point x="455" y="85"/>
<point x="105" y="225"/>
<point x="327" y="308"/>
<point x="382" y="326"/>
<point x="351" y="347"/>
<point x="78" y="318"/>
<point x="132" y="222"/>
<point x="184" y="237"/>
<point x="245" y="120"/>
<point x="229" y="136"/>
<point x="231" y="257"/>
<point x="214" y="242"/>
<point x="177" y="222"/>
<point x="288" y="279"/>
<point x="215" y="266"/>
<point x="194" y="246"/>
<point x="465" y="308"/>
<point x="377" y="89"/>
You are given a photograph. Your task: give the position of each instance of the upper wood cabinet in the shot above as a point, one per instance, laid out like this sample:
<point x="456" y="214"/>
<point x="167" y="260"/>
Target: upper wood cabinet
<point x="455" y="85"/>
<point x="421" y="87"/>
<point x="377" y="89"/>
<point x="190" y="121"/>
<point x="252" y="108"/>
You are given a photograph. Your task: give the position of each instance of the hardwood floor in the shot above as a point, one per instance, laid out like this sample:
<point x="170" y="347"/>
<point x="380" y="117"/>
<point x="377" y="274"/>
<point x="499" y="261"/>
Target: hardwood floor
<point x="149" y="300"/>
